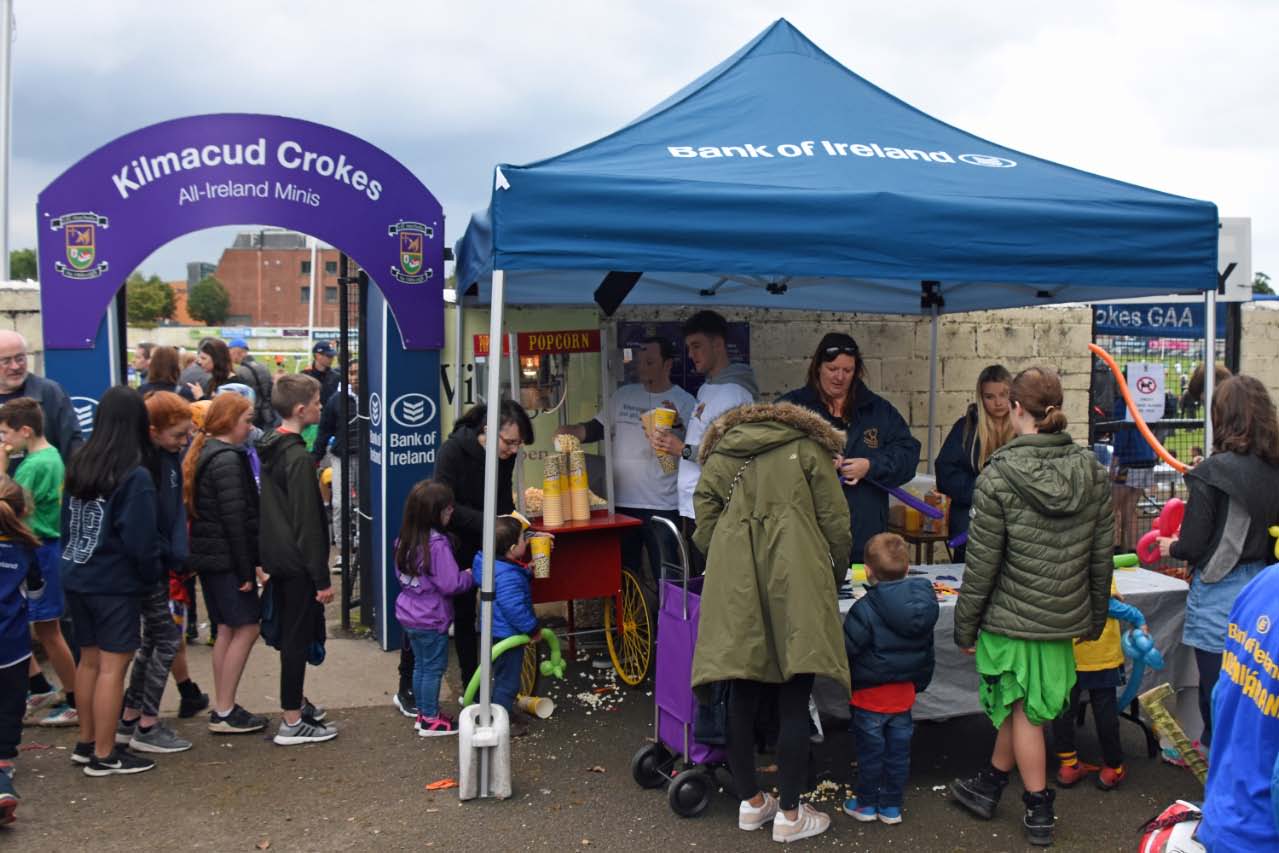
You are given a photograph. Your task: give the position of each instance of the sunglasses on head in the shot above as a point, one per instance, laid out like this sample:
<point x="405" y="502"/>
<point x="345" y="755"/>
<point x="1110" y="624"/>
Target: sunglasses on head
<point x="831" y="353"/>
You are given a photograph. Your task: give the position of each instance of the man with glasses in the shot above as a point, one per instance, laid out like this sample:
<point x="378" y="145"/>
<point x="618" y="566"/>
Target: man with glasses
<point x="727" y="386"/>
<point x="62" y="427"/>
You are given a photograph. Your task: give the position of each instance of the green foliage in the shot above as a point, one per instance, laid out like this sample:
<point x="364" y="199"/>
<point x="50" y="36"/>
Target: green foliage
<point x="1261" y="284"/>
<point x="148" y="300"/>
<point x="22" y="264"/>
<point x="209" y="302"/>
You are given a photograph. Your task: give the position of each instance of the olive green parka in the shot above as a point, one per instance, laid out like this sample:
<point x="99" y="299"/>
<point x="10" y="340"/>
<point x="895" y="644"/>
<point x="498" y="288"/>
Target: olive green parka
<point x="1040" y="544"/>
<point x="773" y="522"/>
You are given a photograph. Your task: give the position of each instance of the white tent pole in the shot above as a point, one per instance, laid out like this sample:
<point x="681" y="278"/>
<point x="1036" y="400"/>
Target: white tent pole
<point x="514" y="342"/>
<point x="6" y="114"/>
<point x="492" y="424"/>
<point x="459" y="327"/>
<point x="932" y="385"/>
<point x="1210" y="363"/>
<point x="606" y="391"/>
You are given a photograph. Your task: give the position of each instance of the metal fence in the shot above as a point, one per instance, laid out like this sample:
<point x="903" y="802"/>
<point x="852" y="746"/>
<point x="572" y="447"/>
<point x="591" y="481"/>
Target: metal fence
<point x="1143" y="487"/>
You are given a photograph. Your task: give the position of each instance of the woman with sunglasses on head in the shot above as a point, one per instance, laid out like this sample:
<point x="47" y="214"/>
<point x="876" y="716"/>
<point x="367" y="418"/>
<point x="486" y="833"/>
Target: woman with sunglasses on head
<point x="879" y="445"/>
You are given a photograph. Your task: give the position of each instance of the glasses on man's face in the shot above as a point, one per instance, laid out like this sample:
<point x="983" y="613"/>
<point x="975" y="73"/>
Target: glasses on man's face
<point x="832" y="353"/>
<point x="11" y="360"/>
<point x="510" y="443"/>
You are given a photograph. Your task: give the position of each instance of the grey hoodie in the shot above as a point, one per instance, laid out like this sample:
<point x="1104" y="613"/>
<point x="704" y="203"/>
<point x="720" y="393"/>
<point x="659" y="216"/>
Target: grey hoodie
<point x="736" y="374"/>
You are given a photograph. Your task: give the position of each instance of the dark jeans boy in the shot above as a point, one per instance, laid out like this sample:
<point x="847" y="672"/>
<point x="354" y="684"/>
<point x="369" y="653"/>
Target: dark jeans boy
<point x="883" y="757"/>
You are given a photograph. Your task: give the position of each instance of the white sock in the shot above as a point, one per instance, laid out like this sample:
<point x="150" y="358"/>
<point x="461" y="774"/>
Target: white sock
<point x="226" y="712"/>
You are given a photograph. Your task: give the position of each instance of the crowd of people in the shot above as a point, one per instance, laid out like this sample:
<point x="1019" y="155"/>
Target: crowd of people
<point x="182" y="476"/>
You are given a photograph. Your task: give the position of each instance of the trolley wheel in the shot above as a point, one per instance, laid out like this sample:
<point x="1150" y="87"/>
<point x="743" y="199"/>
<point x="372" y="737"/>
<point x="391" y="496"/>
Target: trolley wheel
<point x="630" y="645"/>
<point x="690" y="792"/>
<point x="530" y="672"/>
<point x="648" y="767"/>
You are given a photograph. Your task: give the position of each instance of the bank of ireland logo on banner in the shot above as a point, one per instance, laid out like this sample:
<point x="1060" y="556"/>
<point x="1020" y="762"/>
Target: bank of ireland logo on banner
<point x="375" y="410"/>
<point x="86" y="409"/>
<point x="412" y="237"/>
<point x="81" y="230"/>
<point x="990" y="161"/>
<point x="413" y="410"/>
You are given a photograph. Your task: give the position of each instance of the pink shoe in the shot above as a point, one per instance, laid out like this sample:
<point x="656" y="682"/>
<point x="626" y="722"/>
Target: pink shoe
<point x="437" y="726"/>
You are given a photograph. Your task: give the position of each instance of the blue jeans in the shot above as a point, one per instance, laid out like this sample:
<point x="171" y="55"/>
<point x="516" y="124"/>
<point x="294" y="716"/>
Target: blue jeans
<point x="883" y="757"/>
<point x="430" y="659"/>
<point x="506" y="677"/>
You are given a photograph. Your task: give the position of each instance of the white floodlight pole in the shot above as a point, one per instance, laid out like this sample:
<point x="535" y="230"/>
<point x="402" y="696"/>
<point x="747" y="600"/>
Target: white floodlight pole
<point x="1210" y="364"/>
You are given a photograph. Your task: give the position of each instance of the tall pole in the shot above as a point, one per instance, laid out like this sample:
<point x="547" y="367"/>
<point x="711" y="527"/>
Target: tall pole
<point x="932" y="385"/>
<point x="1210" y="364"/>
<point x="310" y="303"/>
<point x="6" y="91"/>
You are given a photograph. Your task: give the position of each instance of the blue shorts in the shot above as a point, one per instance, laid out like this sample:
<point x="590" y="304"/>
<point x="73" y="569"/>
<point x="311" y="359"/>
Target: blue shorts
<point x="112" y="623"/>
<point x="51" y="605"/>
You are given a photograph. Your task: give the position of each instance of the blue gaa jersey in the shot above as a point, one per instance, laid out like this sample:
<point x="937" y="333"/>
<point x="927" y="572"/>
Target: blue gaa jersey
<point x="1243" y="767"/>
<point x="16" y="562"/>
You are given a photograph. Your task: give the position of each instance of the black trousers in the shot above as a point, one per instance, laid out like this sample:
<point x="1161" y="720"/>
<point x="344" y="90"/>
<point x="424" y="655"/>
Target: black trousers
<point x="1105" y="715"/>
<point x="1209" y="664"/>
<point x="295" y="601"/>
<point x="792" y="739"/>
<point x="13" y="704"/>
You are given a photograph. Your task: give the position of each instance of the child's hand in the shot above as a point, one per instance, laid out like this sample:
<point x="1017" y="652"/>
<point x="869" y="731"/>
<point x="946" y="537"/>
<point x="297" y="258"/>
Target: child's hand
<point x="971" y="650"/>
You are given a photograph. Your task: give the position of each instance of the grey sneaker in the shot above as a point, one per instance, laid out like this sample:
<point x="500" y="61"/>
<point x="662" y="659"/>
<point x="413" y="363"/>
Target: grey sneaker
<point x="161" y="738"/>
<point x="303" y="731"/>
<point x="124" y="732"/>
<point x="312" y="712"/>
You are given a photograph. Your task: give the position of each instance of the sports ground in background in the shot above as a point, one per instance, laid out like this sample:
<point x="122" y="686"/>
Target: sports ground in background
<point x="573" y="788"/>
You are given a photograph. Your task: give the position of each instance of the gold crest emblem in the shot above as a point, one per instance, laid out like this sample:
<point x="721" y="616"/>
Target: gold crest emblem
<point x="870" y="438"/>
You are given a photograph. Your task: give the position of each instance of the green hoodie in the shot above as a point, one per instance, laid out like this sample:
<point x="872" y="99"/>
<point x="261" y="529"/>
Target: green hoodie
<point x="1040" y="544"/>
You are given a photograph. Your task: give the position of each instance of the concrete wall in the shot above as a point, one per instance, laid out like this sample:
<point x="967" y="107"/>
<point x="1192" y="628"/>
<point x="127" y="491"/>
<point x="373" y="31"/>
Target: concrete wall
<point x="896" y="353"/>
<point x="20" y="312"/>
<point x="1259" y="354"/>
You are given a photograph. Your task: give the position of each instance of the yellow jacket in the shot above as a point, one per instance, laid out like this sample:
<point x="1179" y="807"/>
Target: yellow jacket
<point x="1104" y="652"/>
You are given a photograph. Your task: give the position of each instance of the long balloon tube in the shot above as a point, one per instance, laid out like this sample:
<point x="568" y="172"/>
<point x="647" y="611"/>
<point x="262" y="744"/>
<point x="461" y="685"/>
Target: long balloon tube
<point x="908" y="499"/>
<point x="1177" y="465"/>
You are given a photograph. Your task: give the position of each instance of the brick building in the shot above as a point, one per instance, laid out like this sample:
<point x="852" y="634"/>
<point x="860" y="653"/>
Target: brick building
<point x="267" y="274"/>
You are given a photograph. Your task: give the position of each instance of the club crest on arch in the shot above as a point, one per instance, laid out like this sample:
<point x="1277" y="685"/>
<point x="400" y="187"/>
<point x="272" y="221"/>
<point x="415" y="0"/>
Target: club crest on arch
<point x="81" y="231"/>
<point x="412" y="237"/>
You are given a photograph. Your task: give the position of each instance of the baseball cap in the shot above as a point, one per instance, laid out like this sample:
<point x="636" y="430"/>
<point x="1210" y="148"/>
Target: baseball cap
<point x="238" y="342"/>
<point x="237" y="388"/>
<point x="324" y="348"/>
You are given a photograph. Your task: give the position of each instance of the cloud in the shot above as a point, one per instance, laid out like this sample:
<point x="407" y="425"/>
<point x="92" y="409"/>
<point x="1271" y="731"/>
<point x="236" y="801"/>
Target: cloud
<point x="1174" y="95"/>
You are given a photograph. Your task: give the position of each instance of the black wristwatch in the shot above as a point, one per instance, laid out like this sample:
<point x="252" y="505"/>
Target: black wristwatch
<point x="687" y="452"/>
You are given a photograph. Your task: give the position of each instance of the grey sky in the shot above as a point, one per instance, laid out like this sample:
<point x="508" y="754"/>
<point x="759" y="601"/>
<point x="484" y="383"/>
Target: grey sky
<point x="1178" y="96"/>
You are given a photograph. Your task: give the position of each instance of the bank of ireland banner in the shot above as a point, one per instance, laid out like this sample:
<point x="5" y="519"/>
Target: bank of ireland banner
<point x="404" y="438"/>
<point x="108" y="212"/>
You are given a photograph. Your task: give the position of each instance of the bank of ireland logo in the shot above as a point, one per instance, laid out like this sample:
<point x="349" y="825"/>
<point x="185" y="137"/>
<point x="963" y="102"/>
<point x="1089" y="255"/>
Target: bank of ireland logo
<point x="375" y="410"/>
<point x="413" y="410"/>
<point x="990" y="161"/>
<point x="81" y="230"/>
<point x="86" y="409"/>
<point x="412" y="237"/>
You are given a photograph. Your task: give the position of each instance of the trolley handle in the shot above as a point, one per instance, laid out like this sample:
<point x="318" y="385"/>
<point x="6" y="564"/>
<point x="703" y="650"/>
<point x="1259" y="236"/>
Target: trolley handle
<point x="682" y="548"/>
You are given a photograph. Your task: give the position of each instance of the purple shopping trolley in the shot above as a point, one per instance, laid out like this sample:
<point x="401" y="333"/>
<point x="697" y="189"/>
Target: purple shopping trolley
<point x="689" y="789"/>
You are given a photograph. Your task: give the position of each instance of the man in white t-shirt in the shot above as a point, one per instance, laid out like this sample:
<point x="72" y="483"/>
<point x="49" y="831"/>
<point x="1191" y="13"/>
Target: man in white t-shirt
<point x="642" y="489"/>
<point x="728" y="385"/>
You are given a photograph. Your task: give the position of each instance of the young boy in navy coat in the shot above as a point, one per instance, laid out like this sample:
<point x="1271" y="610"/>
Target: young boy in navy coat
<point x="888" y="634"/>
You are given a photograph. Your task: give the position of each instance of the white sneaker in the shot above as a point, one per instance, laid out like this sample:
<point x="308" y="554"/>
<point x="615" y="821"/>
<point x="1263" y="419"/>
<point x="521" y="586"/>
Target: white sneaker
<point x="751" y="818"/>
<point x="807" y="823"/>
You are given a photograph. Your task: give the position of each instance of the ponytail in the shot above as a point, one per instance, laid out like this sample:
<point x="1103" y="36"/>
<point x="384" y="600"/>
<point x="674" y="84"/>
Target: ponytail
<point x="13" y="506"/>
<point x="1038" y="391"/>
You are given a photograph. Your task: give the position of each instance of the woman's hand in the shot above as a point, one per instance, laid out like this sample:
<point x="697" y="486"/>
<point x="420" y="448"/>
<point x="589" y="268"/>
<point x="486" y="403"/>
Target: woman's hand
<point x="851" y="471"/>
<point x="1165" y="545"/>
<point x="197" y="390"/>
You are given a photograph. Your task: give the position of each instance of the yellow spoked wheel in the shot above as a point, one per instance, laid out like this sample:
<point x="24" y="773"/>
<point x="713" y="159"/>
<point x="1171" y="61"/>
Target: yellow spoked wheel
<point x="630" y="644"/>
<point x="529" y="672"/>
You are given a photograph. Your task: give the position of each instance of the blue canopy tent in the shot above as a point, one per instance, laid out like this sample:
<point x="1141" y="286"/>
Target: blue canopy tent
<point x="780" y="179"/>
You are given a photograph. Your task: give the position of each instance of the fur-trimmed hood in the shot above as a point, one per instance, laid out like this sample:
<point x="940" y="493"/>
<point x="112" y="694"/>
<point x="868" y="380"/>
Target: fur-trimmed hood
<point x="783" y="421"/>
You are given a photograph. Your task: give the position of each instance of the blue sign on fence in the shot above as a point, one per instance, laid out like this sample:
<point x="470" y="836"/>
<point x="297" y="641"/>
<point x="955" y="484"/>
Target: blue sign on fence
<point x="1156" y="320"/>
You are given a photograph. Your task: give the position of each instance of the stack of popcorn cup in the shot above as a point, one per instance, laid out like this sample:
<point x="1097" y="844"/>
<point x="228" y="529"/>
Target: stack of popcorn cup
<point x="578" y="491"/>
<point x="552" y="495"/>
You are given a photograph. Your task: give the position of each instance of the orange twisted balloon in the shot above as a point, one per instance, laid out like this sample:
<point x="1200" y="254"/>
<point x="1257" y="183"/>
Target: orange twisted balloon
<point x="1179" y="466"/>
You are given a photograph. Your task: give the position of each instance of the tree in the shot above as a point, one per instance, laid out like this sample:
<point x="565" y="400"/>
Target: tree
<point x="22" y="264"/>
<point x="148" y="300"/>
<point x="209" y="302"/>
<point x="1261" y="284"/>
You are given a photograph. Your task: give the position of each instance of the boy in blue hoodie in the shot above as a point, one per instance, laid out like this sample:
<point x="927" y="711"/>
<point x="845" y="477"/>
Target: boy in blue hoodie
<point x="888" y="635"/>
<point x="512" y="607"/>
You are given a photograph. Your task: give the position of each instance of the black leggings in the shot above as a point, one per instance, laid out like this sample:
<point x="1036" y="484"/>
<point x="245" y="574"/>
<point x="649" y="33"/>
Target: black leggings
<point x="13" y="704"/>
<point x="1209" y="664"/>
<point x="1105" y="714"/>
<point x="792" y="741"/>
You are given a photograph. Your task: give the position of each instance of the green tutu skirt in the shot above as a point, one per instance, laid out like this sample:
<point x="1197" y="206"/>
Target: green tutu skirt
<point x="1037" y="673"/>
